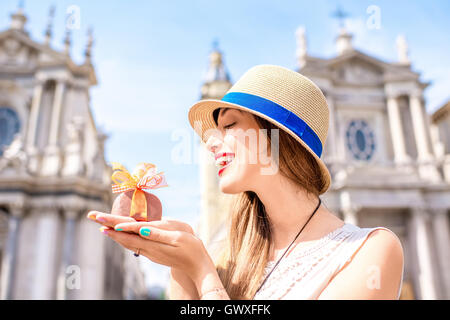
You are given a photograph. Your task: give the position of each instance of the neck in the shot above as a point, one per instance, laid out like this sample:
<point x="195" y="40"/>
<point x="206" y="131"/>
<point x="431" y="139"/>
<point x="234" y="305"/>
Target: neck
<point x="288" y="209"/>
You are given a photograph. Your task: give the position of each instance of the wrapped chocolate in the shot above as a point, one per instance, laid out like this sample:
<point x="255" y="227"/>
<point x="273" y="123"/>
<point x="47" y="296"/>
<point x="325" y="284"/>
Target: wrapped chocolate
<point x="134" y="199"/>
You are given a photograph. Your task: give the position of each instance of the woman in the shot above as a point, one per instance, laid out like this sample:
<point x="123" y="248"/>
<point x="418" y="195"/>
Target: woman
<point x="282" y="242"/>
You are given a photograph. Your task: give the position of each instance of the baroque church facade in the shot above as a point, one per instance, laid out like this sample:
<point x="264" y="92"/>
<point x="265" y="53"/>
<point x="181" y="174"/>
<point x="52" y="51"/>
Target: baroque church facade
<point x="52" y="172"/>
<point x="389" y="159"/>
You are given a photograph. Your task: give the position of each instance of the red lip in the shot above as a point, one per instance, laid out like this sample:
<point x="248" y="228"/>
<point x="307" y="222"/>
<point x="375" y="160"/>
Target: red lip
<point x="223" y="154"/>
<point x="221" y="170"/>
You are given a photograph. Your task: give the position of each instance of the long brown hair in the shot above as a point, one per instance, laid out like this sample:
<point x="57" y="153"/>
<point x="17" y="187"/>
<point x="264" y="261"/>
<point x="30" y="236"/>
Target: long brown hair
<point x="246" y="252"/>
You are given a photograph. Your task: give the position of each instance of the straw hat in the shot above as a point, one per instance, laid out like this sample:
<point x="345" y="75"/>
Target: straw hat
<point x="282" y="96"/>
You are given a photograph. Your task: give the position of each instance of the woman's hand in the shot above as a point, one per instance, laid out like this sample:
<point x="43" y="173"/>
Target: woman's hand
<point x="168" y="242"/>
<point x="112" y="220"/>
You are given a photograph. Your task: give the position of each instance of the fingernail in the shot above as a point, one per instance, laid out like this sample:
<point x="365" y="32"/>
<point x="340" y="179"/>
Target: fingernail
<point x="145" y="232"/>
<point x="103" y="230"/>
<point x="101" y="219"/>
<point x="119" y="229"/>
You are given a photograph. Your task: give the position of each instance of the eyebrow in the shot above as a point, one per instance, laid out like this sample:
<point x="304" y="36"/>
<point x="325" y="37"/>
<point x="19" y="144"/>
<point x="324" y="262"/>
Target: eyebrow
<point x="224" y="111"/>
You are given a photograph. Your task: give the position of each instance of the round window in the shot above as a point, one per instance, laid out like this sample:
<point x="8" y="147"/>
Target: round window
<point x="360" y="140"/>
<point x="9" y="126"/>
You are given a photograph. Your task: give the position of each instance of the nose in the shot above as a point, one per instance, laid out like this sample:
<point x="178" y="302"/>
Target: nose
<point x="213" y="144"/>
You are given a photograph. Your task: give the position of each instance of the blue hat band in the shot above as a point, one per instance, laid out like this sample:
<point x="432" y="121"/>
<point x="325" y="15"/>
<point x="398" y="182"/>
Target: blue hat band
<point x="278" y="113"/>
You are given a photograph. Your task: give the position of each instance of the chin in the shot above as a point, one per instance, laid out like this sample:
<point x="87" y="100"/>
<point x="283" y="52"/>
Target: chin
<point x="231" y="187"/>
<point x="231" y="182"/>
<point x="231" y="190"/>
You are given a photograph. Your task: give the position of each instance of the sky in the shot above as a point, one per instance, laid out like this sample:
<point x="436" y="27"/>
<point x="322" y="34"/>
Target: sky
<point x="150" y="58"/>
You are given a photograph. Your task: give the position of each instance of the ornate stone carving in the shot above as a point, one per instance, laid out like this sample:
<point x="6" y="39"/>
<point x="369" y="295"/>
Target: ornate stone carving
<point x="358" y="72"/>
<point x="74" y="164"/>
<point x="14" y="156"/>
<point x="13" y="53"/>
<point x="11" y="46"/>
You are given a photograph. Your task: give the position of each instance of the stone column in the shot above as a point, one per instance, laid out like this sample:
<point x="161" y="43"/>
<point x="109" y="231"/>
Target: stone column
<point x="441" y="232"/>
<point x="420" y="132"/>
<point x="350" y="215"/>
<point x="33" y="157"/>
<point x="70" y="216"/>
<point x="427" y="167"/>
<point x="446" y="168"/>
<point x="398" y="139"/>
<point x="47" y="242"/>
<point x="34" y="115"/>
<point x="91" y="258"/>
<point x="209" y="194"/>
<point x="56" y="114"/>
<point x="332" y="145"/>
<point x="349" y="210"/>
<point x="52" y="160"/>
<point x="9" y="256"/>
<point x="422" y="244"/>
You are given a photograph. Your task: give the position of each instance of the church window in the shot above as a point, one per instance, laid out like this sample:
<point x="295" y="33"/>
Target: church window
<point x="9" y="126"/>
<point x="360" y="140"/>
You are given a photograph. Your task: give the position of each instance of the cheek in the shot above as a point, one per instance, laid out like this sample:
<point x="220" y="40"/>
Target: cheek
<point x="231" y="142"/>
<point x="246" y="150"/>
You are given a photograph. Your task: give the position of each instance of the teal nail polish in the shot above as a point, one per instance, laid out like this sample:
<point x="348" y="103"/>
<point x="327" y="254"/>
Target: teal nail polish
<point x="119" y="229"/>
<point x="145" y="232"/>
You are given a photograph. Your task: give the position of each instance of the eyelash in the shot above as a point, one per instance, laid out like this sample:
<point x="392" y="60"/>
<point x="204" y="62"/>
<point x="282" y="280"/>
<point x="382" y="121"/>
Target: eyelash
<point x="228" y="126"/>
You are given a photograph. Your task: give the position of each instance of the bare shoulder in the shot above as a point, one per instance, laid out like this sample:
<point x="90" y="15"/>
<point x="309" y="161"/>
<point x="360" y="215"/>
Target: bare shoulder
<point x="373" y="272"/>
<point x="384" y="242"/>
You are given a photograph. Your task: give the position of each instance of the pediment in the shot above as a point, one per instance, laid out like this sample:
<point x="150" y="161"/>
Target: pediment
<point x="360" y="68"/>
<point x="18" y="51"/>
<point x="356" y="55"/>
<point x="16" y="54"/>
<point x="357" y="71"/>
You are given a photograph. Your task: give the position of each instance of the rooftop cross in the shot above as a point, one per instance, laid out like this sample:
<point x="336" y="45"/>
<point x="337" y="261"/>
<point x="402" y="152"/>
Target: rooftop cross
<point x="18" y="19"/>
<point x="340" y="15"/>
<point x="215" y="44"/>
<point x="48" y="31"/>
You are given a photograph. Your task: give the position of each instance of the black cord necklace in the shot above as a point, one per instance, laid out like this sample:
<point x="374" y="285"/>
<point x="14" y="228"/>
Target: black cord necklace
<point x="320" y="201"/>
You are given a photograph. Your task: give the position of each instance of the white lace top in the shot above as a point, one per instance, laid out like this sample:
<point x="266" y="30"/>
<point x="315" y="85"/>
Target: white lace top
<point x="305" y="271"/>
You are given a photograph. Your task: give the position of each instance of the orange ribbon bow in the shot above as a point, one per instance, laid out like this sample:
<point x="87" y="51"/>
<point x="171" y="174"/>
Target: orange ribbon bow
<point x="144" y="177"/>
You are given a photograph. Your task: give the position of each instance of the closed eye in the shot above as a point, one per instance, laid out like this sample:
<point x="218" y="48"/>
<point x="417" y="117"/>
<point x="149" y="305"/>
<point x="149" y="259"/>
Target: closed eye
<point x="230" y="125"/>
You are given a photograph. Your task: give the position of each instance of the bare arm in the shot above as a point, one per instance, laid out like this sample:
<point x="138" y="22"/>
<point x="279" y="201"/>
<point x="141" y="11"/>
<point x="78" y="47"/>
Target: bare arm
<point x="181" y="286"/>
<point x="205" y="284"/>
<point x="208" y="283"/>
<point x="373" y="273"/>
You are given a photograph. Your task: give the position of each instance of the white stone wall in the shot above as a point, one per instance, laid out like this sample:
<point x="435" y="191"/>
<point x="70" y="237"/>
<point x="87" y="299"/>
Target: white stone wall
<point x="56" y="175"/>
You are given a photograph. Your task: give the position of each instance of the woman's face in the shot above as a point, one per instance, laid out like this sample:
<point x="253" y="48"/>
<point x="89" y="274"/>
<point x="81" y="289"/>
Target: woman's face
<point x="236" y="148"/>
